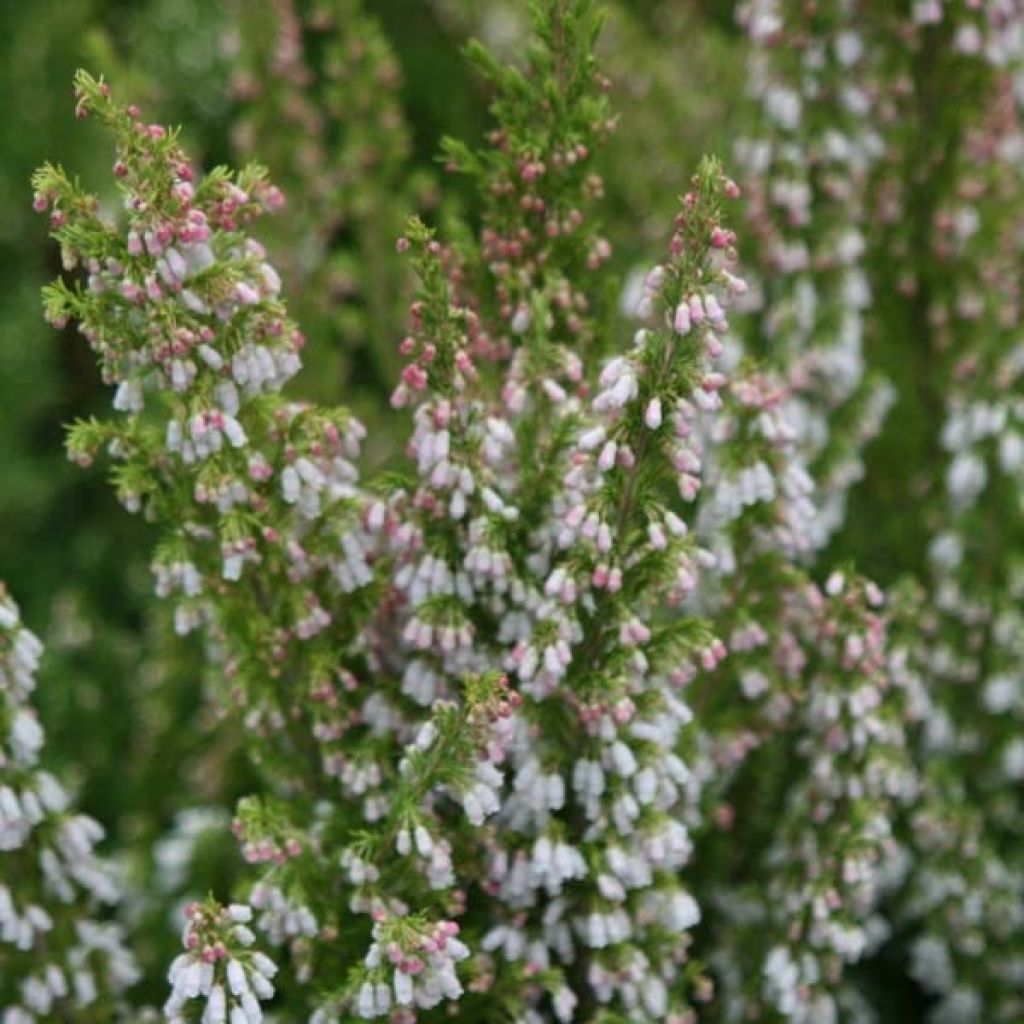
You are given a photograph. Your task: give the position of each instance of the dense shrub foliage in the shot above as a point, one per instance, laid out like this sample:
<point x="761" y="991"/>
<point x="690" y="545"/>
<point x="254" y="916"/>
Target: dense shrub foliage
<point x="642" y="641"/>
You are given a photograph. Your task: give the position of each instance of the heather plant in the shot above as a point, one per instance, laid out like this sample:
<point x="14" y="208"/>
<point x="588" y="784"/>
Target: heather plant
<point x="579" y="709"/>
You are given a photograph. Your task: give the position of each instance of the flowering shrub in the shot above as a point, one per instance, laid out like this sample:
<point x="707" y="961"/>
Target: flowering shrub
<point x="573" y="712"/>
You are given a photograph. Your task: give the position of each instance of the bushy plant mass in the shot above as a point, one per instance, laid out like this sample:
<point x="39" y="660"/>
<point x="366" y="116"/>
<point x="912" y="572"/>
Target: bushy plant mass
<point x="545" y="684"/>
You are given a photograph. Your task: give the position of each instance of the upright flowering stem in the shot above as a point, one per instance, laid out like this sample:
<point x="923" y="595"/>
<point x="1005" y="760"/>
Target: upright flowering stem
<point x="59" y="960"/>
<point x="811" y="904"/>
<point x="317" y="99"/>
<point x="533" y="274"/>
<point x="599" y="647"/>
<point x="809" y="161"/>
<point x="181" y="305"/>
<point x="803" y="705"/>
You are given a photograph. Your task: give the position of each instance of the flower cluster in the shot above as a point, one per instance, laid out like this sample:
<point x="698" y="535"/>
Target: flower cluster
<point x="219" y="968"/>
<point x="419" y="961"/>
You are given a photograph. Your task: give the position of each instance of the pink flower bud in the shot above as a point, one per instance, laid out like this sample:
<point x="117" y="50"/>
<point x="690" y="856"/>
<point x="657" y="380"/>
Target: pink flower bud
<point x="681" y="322"/>
<point x="652" y="416"/>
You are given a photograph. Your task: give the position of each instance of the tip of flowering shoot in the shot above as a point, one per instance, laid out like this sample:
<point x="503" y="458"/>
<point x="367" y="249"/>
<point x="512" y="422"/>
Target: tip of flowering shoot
<point x="489" y="695"/>
<point x="702" y="251"/>
<point x="710" y="185"/>
<point x="154" y="173"/>
<point x="437" y="343"/>
<point x="417" y="236"/>
<point x="90" y="93"/>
